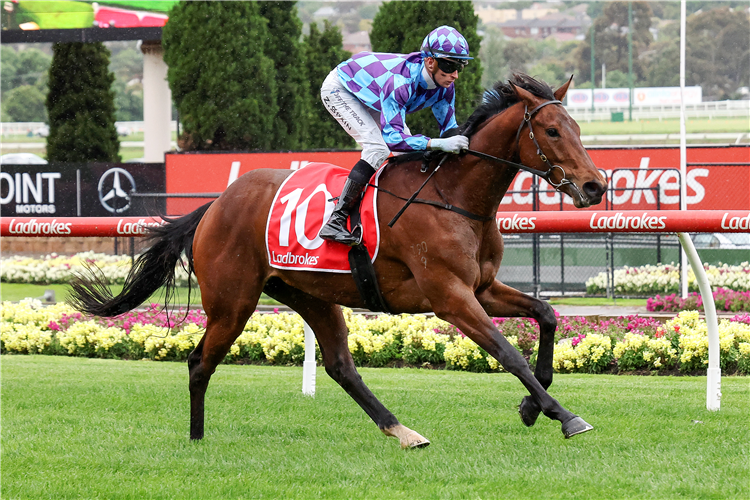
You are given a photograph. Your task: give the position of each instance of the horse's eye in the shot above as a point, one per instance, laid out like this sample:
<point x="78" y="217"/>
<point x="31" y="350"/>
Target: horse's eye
<point x="552" y="132"/>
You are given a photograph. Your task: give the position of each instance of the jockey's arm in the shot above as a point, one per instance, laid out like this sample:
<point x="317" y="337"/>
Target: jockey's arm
<point x="392" y="120"/>
<point x="445" y="112"/>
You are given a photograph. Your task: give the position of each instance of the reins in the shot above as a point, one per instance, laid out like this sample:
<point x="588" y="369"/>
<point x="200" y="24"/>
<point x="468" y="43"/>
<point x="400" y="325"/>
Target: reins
<point x="544" y="174"/>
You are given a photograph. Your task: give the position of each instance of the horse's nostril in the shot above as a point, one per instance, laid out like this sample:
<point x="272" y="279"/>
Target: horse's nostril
<point x="594" y="189"/>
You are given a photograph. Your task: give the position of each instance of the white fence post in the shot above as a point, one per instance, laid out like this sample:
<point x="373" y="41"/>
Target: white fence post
<point x="713" y="389"/>
<point x="308" y="368"/>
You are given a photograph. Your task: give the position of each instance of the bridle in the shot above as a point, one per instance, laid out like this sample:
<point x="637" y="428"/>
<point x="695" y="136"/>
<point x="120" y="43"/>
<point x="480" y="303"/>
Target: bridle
<point x="544" y="174"/>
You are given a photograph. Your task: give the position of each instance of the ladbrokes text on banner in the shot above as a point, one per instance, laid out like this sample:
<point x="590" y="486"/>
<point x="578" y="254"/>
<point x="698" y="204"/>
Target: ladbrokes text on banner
<point x="639" y="178"/>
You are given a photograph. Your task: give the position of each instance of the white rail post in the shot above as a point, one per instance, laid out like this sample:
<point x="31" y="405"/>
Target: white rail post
<point x="308" y="368"/>
<point x="713" y="389"/>
<point x="683" y="146"/>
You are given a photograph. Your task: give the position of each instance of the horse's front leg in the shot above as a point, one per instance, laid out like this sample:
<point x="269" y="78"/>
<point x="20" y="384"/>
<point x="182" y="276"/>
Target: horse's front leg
<point x="502" y="301"/>
<point x="461" y="308"/>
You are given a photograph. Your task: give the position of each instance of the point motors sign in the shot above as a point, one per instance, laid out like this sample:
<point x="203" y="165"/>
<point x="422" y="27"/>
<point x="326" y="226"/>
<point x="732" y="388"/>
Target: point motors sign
<point x="70" y="190"/>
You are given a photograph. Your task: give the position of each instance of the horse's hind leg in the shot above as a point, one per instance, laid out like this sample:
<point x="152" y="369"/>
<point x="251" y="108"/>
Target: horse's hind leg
<point x="227" y="316"/>
<point x="503" y="301"/>
<point x="327" y="321"/>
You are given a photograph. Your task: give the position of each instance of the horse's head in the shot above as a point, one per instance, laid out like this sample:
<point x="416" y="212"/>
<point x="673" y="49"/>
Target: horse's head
<point x="549" y="140"/>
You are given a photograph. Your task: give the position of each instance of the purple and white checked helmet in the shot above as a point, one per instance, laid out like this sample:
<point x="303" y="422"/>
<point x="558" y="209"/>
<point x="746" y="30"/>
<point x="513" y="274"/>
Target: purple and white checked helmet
<point x="445" y="42"/>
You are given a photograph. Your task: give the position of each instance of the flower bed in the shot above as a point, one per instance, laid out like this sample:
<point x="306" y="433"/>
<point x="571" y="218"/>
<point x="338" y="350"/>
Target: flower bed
<point x="625" y="344"/>
<point x="725" y="301"/>
<point x="56" y="268"/>
<point x="650" y="280"/>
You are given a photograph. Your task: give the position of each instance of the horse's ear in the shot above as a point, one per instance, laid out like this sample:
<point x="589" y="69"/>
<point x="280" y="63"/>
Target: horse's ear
<point x="560" y="93"/>
<point x="524" y="95"/>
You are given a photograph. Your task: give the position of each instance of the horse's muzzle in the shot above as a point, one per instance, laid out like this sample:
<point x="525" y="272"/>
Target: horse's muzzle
<point x="594" y="191"/>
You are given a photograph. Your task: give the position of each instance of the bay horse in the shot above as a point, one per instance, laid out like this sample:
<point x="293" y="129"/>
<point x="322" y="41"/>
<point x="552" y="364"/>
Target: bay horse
<point x="453" y="274"/>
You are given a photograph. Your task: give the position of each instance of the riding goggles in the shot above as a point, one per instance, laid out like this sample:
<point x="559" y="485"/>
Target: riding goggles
<point x="449" y="65"/>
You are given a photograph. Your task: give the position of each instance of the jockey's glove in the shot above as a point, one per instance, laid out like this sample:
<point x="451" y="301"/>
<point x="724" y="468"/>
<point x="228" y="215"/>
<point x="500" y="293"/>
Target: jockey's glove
<point x="450" y="145"/>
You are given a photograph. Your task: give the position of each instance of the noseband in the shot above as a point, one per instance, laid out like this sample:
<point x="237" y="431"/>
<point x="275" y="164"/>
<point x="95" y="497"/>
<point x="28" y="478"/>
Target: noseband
<point x="546" y="175"/>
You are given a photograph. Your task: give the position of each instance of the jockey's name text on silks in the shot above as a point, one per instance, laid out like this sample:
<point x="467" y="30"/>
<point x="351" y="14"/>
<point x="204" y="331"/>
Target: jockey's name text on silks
<point x="290" y="258"/>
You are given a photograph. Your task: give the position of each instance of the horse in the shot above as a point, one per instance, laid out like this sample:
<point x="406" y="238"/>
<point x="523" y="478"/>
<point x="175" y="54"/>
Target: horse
<point x="431" y="260"/>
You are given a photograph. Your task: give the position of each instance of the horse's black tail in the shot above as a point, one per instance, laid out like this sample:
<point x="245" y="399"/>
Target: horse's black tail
<point x="151" y="270"/>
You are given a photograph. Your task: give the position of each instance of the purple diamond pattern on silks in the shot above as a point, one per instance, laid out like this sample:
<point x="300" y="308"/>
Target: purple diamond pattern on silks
<point x="395" y="93"/>
<point x="374" y="88"/>
<point x="351" y="69"/>
<point x="402" y="94"/>
<point x="446" y="121"/>
<point x="375" y="69"/>
<point x="353" y="86"/>
<point x="397" y="122"/>
<point x="447" y="39"/>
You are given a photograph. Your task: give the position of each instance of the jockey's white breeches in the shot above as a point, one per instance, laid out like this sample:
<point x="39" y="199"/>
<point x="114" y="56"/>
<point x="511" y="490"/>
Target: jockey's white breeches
<point x="359" y="121"/>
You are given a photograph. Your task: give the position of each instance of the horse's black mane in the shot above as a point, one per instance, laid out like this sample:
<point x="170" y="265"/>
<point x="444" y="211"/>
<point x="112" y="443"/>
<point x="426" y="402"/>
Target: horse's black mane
<point x="501" y="96"/>
<point x="495" y="100"/>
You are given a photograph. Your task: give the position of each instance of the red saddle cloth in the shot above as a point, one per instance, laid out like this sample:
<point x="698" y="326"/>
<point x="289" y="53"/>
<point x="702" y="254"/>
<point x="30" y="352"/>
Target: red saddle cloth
<point x="299" y="210"/>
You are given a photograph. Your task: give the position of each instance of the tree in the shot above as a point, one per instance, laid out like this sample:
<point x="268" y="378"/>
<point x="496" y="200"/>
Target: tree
<point x="717" y="57"/>
<point x="33" y="65"/>
<point x="8" y="68"/>
<point x="80" y="105"/>
<point x="25" y="104"/>
<point x="664" y="64"/>
<point x="323" y="52"/>
<point x="518" y="53"/>
<point x="717" y="52"/>
<point x="400" y="27"/>
<point x="223" y="84"/>
<point x="611" y="40"/>
<point x="491" y="54"/>
<point x="284" y="48"/>
<point x="129" y="101"/>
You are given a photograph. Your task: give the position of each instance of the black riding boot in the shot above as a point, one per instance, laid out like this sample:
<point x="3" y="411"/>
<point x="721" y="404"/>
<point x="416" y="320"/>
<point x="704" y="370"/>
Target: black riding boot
<point x="335" y="229"/>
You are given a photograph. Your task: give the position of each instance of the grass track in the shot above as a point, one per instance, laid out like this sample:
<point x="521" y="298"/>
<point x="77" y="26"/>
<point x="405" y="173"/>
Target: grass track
<point x="17" y="291"/>
<point x="89" y="428"/>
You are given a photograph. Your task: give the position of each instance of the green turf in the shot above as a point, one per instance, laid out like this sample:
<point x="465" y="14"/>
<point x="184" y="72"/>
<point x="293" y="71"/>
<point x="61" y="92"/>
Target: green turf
<point x="125" y="153"/>
<point x="17" y="291"/>
<point x="89" y="428"/>
<point x="697" y="125"/>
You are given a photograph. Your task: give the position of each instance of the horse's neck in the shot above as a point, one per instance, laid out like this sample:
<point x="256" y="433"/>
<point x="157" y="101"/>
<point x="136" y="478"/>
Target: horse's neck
<point x="481" y="184"/>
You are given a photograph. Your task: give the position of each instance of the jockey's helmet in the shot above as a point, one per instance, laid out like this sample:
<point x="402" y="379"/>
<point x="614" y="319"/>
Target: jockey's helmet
<point x="446" y="42"/>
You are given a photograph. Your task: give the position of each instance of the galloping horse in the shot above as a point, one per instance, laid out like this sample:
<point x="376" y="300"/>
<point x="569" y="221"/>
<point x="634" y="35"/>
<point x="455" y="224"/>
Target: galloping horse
<point x="454" y="278"/>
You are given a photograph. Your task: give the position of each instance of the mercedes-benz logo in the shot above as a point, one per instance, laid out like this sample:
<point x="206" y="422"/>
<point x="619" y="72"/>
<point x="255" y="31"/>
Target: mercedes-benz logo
<point x="111" y="193"/>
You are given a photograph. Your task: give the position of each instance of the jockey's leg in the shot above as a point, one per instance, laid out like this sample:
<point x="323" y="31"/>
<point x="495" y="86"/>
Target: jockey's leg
<point x="335" y="229"/>
<point x="359" y="122"/>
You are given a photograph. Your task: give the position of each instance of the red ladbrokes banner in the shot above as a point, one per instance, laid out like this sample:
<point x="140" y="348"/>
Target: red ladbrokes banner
<point x="299" y="210"/>
<point x="640" y="178"/>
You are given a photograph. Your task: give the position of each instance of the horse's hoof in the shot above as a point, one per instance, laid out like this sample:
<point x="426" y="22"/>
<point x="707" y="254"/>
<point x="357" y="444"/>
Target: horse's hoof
<point x="407" y="437"/>
<point x="414" y="440"/>
<point x="529" y="411"/>
<point x="575" y="426"/>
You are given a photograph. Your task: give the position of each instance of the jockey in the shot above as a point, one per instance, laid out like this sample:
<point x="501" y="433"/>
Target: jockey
<point x="370" y="95"/>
